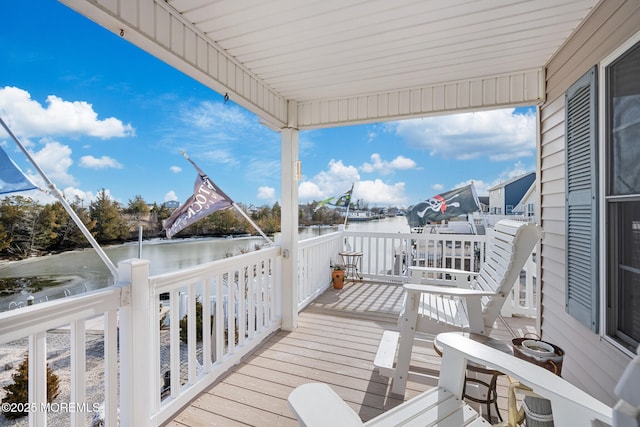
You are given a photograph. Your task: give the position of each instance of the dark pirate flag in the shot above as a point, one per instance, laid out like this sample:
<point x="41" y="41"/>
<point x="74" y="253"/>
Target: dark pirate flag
<point x="450" y="204"/>
<point x="206" y="199"/>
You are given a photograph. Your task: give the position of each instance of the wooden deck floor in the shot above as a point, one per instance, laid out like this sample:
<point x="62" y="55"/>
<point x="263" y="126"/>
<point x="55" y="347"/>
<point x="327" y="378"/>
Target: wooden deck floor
<point x="335" y="343"/>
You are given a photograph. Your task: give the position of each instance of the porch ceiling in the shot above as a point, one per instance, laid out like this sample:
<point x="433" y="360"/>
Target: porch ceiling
<point x="355" y="61"/>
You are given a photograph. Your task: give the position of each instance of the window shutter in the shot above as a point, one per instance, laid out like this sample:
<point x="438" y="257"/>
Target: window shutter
<point x="582" y="295"/>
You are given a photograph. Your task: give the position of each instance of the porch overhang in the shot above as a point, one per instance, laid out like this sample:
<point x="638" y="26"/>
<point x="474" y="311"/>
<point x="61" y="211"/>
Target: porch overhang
<point x="323" y="64"/>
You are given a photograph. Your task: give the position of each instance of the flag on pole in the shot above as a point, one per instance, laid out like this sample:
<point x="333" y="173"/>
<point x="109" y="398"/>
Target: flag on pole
<point x="12" y="179"/>
<point x="342" y="201"/>
<point x="206" y="199"/>
<point x="450" y="204"/>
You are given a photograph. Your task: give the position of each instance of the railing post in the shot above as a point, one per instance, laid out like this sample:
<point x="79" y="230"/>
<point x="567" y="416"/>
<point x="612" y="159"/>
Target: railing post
<point x="136" y="354"/>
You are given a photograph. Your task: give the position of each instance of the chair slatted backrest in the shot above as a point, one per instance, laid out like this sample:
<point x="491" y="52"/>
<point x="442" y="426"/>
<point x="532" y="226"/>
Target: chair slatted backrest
<point x="508" y="249"/>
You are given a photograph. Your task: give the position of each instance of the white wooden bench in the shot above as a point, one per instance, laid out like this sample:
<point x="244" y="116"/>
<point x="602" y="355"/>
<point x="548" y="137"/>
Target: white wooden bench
<point x="317" y="404"/>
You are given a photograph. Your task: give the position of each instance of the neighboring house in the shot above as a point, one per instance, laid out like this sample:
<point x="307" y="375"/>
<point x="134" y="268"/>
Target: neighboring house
<point x="527" y="206"/>
<point x="589" y="183"/>
<point x="172" y="204"/>
<point x="505" y="196"/>
<point x="484" y="203"/>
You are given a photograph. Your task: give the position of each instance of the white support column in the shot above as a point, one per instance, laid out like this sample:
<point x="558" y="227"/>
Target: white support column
<point x="137" y="385"/>
<point x="289" y="227"/>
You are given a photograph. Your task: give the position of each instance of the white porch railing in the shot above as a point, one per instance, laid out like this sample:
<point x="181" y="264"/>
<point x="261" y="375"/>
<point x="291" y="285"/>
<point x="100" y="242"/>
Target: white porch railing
<point x="237" y="301"/>
<point x="231" y="306"/>
<point x="388" y="256"/>
<point x="315" y="257"/>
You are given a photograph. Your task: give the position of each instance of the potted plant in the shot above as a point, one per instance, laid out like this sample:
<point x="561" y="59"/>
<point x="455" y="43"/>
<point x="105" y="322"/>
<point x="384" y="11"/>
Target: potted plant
<point x="337" y="276"/>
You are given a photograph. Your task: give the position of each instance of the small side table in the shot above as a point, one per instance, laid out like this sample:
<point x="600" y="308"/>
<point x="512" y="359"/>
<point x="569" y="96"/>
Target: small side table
<point x="491" y="385"/>
<point x="352" y="262"/>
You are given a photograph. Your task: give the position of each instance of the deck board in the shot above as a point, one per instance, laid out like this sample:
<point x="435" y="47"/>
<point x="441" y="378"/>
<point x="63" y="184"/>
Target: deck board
<point x="335" y="342"/>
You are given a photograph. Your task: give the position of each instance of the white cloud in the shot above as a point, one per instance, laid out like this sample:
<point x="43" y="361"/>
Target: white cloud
<point x="175" y="169"/>
<point x="170" y="196"/>
<point x="103" y="162"/>
<point x="386" y="167"/>
<point x="498" y="134"/>
<point x="437" y="187"/>
<point x="223" y="156"/>
<point x="333" y="182"/>
<point x="28" y="118"/>
<point x="338" y="179"/>
<point x="214" y="115"/>
<point x="308" y="191"/>
<point x="482" y="188"/>
<point x="55" y="160"/>
<point x="266" y="193"/>
<point x="377" y="193"/>
<point x="71" y="193"/>
<point x="516" y="170"/>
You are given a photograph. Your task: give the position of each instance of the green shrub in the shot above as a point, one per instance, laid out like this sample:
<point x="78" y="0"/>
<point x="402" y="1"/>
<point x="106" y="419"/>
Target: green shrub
<point x="18" y="391"/>
<point x="184" y="323"/>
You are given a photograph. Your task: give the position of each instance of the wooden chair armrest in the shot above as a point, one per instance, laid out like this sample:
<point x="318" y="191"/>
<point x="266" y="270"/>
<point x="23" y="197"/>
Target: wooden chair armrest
<point x="452" y="271"/>
<point x="316" y="404"/>
<point x="443" y="276"/>
<point x="446" y="290"/>
<point x="570" y="405"/>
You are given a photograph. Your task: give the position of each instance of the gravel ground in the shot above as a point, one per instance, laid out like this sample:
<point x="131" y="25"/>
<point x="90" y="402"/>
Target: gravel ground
<point x="58" y="344"/>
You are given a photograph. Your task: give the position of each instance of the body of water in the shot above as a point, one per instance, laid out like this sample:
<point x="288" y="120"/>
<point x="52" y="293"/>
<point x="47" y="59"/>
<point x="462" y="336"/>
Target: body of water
<point x="55" y="276"/>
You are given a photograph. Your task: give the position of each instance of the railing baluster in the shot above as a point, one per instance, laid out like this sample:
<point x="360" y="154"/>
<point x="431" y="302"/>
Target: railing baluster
<point x="111" y="367"/>
<point x="174" y="343"/>
<point x="218" y="321"/>
<point x="38" y="371"/>
<point x="206" y="326"/>
<point x="191" y="334"/>
<point x="78" y="369"/>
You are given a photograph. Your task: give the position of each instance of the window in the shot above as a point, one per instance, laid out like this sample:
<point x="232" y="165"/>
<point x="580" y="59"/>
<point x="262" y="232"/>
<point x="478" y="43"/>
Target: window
<point x="622" y="200"/>
<point x="531" y="209"/>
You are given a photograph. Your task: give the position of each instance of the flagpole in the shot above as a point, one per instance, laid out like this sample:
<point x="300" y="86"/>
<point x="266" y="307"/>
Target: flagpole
<point x="58" y="194"/>
<point x="238" y="208"/>
<point x="243" y="213"/>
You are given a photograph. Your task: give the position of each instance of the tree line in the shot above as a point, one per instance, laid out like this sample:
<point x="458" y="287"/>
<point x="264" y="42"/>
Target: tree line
<point x="30" y="228"/>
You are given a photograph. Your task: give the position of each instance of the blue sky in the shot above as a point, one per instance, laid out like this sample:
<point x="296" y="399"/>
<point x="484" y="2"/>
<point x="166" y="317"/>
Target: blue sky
<point x="97" y="112"/>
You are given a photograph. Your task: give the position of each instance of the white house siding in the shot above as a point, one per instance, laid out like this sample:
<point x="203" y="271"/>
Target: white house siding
<point x="590" y="362"/>
<point x="496" y="200"/>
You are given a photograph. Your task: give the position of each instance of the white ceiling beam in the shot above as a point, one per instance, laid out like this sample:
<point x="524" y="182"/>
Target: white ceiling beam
<point x="500" y="91"/>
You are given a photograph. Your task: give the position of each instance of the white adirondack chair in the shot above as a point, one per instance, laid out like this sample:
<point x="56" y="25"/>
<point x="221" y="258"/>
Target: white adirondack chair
<point x="457" y="304"/>
<point x="316" y="404"/>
